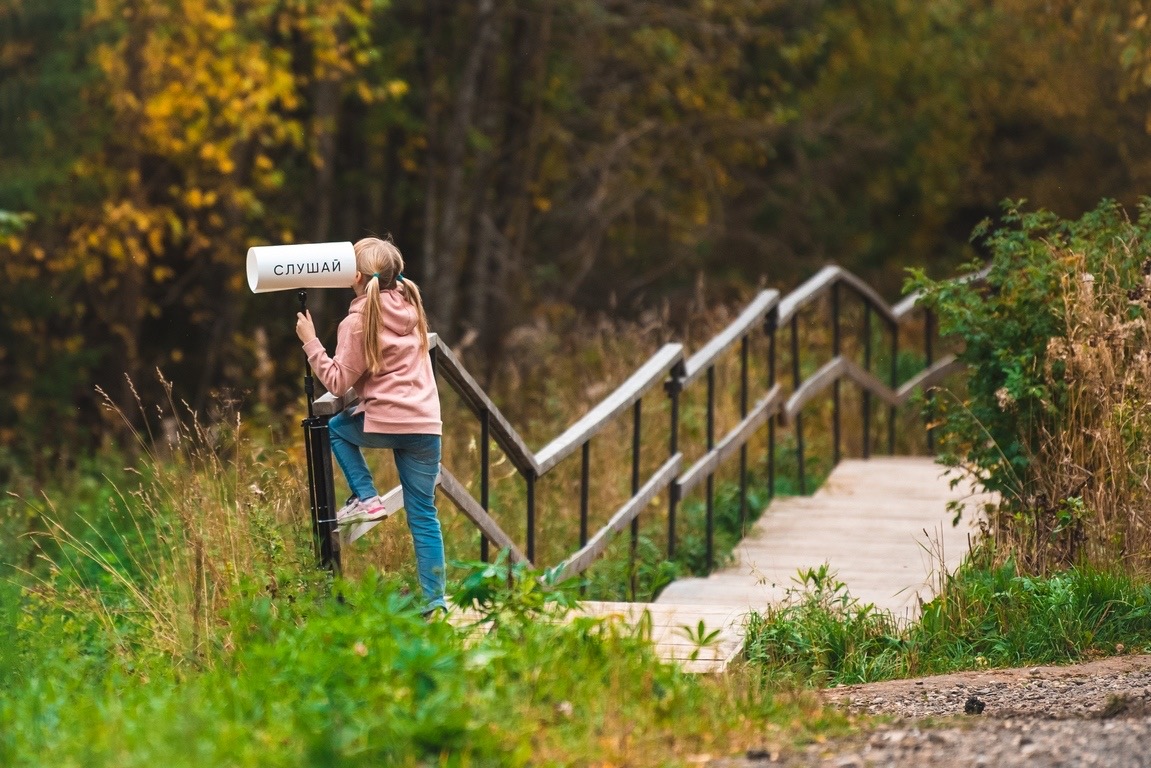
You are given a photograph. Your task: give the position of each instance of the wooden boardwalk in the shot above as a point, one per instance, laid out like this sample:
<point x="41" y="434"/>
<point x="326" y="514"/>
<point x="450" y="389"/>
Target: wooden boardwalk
<point x="880" y="524"/>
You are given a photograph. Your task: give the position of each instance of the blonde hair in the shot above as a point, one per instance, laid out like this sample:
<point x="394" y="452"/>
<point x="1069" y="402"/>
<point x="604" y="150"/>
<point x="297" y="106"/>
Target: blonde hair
<point x="382" y="264"/>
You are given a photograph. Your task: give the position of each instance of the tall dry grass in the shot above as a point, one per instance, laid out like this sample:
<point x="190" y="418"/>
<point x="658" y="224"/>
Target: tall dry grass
<point x="1092" y="472"/>
<point x="212" y="512"/>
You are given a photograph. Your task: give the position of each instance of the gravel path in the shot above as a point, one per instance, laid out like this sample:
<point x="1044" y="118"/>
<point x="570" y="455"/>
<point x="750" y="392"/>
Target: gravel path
<point x="1093" y="714"/>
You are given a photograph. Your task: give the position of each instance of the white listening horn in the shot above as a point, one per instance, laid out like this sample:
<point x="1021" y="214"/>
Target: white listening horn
<point x="303" y="265"/>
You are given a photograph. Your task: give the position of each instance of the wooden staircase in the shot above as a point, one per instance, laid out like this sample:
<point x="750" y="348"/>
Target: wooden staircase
<point x="882" y="525"/>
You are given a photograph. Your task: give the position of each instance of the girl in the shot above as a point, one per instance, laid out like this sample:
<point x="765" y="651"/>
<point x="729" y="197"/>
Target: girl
<point x="382" y="353"/>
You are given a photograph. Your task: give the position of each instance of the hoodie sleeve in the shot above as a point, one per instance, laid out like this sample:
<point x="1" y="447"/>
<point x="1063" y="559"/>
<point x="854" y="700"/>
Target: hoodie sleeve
<point x="340" y="372"/>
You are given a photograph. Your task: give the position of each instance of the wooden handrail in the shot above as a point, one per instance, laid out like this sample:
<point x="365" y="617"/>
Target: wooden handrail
<point x="928" y="377"/>
<point x="579" y="561"/>
<point x="754" y="315"/>
<point x="654" y="371"/>
<point x="821" y="283"/>
<point x="477" y="400"/>
<point x="463" y="500"/>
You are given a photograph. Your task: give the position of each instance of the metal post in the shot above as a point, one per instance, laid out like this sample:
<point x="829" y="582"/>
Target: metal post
<point x="530" y="478"/>
<point x="637" y="417"/>
<point x="894" y="385"/>
<point x="929" y="353"/>
<point x="585" y="471"/>
<point x="673" y="387"/>
<point x="321" y="487"/>
<point x="866" y="392"/>
<point x="744" y="354"/>
<point x="710" y="508"/>
<point x="485" y="475"/>
<point x="771" y="326"/>
<point x="836" y="348"/>
<point x="322" y="491"/>
<point x="795" y="377"/>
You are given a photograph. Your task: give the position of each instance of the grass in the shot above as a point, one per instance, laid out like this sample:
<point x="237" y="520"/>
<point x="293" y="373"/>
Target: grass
<point x="984" y="616"/>
<point x="161" y="605"/>
<point x="168" y="611"/>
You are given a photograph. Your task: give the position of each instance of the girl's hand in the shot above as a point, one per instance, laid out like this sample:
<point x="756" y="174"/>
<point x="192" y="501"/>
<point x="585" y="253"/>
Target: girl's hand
<point x="305" y="329"/>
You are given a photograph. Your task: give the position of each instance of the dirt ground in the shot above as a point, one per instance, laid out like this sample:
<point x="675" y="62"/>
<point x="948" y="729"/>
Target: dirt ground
<point x="1091" y="714"/>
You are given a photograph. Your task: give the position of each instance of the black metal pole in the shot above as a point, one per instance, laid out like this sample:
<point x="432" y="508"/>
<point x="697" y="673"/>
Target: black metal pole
<point x="530" y="478"/>
<point x="795" y="374"/>
<point x="771" y="327"/>
<point x="744" y="355"/>
<point x="321" y="486"/>
<point x="710" y="483"/>
<point x="836" y="349"/>
<point x="929" y="353"/>
<point x="894" y="386"/>
<point x="485" y="475"/>
<point x="584" y="473"/>
<point x="866" y="392"/>
<point x="673" y="388"/>
<point x="637" y="422"/>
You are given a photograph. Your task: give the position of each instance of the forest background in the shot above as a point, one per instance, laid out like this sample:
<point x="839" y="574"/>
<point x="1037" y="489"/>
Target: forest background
<point x="535" y="160"/>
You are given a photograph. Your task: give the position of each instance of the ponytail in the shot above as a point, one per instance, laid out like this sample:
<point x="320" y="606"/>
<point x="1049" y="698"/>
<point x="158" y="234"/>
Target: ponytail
<point x="373" y="321"/>
<point x="411" y="292"/>
<point x="381" y="261"/>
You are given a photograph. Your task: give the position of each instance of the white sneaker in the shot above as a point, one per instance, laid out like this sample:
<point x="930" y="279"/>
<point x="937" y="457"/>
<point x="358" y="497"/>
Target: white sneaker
<point x="365" y="511"/>
<point x="352" y="504"/>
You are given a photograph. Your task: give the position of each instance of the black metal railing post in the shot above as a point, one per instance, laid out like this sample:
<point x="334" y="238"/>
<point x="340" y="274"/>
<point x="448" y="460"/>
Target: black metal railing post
<point x="929" y="353"/>
<point x="744" y="360"/>
<point x="585" y="471"/>
<point x="673" y="387"/>
<point x="867" y="392"/>
<point x="795" y="377"/>
<point x="770" y="327"/>
<point x="836" y="349"/>
<point x="636" y="426"/>
<point x="485" y="475"/>
<point x="710" y="503"/>
<point x="530" y="479"/>
<point x="894" y="381"/>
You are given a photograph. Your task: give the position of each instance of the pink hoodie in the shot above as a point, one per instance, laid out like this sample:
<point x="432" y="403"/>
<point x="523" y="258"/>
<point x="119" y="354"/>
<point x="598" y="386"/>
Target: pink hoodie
<point x="402" y="398"/>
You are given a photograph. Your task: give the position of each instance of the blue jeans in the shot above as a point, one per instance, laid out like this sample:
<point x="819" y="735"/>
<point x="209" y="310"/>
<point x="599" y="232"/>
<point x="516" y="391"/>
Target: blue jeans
<point x="418" y="462"/>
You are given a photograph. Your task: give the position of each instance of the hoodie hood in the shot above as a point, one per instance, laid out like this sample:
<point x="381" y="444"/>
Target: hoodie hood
<point x="399" y="315"/>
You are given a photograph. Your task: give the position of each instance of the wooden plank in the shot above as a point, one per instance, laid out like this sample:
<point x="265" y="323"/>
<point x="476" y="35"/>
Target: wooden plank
<point x="938" y="371"/>
<point x="881" y="525"/>
<point x="672" y="628"/>
<point x="478" y="515"/>
<point x="474" y="396"/>
<point x="394" y="501"/>
<point x="654" y="371"/>
<point x="911" y="301"/>
<point x="581" y="559"/>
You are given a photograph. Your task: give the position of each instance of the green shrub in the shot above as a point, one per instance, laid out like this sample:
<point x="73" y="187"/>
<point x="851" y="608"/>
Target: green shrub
<point x="1057" y="413"/>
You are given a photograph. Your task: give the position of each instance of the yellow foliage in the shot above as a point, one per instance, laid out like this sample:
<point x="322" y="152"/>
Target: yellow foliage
<point x="397" y="88"/>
